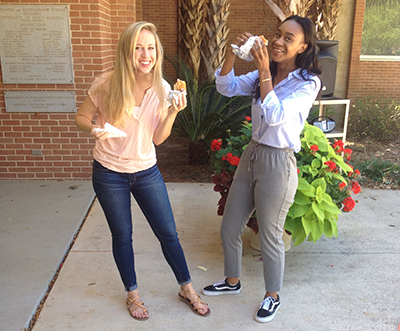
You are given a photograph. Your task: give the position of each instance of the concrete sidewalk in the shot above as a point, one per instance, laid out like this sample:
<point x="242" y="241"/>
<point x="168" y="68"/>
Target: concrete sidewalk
<point x="348" y="283"/>
<point x="38" y="221"/>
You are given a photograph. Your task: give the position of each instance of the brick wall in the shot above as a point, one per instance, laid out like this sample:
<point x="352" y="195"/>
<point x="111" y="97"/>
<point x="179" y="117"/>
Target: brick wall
<point x="370" y="78"/>
<point x="67" y="152"/>
<point x="95" y="29"/>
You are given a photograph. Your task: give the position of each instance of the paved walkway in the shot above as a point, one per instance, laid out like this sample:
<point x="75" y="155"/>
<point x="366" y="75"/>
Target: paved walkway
<point x="38" y="220"/>
<point x="348" y="283"/>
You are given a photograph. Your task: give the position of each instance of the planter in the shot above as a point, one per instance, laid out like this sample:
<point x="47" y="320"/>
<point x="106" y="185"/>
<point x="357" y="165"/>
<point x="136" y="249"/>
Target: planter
<point x="255" y="240"/>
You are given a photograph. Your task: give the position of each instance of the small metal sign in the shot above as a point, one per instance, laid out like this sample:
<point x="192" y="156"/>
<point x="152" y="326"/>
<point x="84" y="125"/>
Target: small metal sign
<point x="40" y="101"/>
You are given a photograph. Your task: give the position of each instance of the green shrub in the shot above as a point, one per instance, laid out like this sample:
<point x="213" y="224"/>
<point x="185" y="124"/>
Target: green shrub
<point x="377" y="119"/>
<point x="378" y="172"/>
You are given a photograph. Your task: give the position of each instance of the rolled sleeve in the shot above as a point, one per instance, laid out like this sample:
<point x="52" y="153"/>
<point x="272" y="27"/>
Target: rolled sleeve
<point x="277" y="111"/>
<point x="230" y="85"/>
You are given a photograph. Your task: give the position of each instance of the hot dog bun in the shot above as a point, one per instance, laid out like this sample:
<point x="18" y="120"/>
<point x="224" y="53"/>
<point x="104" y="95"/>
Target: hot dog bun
<point x="265" y="41"/>
<point x="180" y="85"/>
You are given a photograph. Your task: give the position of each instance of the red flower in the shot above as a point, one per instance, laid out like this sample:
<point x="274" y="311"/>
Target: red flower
<point x="233" y="160"/>
<point x="216" y="145"/>
<point x="355" y="187"/>
<point x="349" y="204"/>
<point x="298" y="170"/>
<point x="226" y="157"/>
<point x="357" y="172"/>
<point x="331" y="165"/>
<point x="338" y="146"/>
<point x="342" y="185"/>
<point x="347" y="153"/>
<point x="248" y="118"/>
<point x="314" y="148"/>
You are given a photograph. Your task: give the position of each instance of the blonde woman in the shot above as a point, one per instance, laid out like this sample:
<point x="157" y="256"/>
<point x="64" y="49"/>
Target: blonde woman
<point x="132" y="98"/>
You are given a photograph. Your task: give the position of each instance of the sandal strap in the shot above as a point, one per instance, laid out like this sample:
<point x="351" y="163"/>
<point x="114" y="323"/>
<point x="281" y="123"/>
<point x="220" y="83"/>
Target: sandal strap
<point x="130" y="302"/>
<point x="197" y="300"/>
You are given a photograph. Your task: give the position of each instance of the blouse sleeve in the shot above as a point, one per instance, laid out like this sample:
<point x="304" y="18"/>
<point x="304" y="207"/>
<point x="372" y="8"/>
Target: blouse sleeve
<point x="92" y="93"/>
<point x="300" y="100"/>
<point x="230" y="85"/>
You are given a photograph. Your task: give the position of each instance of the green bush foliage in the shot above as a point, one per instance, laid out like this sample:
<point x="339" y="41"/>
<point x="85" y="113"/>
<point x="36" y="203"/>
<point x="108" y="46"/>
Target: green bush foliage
<point x="376" y="119"/>
<point x="381" y="31"/>
<point x="378" y="172"/>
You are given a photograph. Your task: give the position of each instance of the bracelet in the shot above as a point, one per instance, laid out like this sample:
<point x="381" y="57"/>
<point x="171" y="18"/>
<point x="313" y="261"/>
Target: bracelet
<point x="264" y="80"/>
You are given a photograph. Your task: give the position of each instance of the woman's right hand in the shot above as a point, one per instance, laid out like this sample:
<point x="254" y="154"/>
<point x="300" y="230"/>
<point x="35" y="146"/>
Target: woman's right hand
<point x="99" y="134"/>
<point x="242" y="38"/>
<point x="230" y="56"/>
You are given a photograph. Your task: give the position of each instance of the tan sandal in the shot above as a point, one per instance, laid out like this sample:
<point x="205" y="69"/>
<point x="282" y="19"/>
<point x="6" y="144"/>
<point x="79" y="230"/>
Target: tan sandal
<point x="191" y="303"/>
<point x="131" y="302"/>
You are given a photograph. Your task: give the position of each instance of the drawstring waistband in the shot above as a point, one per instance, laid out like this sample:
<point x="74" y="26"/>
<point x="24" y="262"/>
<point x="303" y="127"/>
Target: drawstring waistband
<point x="253" y="157"/>
<point x="253" y="145"/>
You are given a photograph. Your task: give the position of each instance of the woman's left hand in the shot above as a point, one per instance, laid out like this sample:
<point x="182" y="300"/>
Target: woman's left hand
<point x="259" y="52"/>
<point x="168" y="118"/>
<point x="176" y="107"/>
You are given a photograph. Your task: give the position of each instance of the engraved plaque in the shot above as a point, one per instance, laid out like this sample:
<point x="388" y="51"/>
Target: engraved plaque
<point x="35" y="44"/>
<point x="40" y="101"/>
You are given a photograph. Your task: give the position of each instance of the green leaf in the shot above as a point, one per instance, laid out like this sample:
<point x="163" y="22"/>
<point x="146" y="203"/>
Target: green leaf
<point x="319" y="194"/>
<point x="300" y="237"/>
<point x="299" y="210"/>
<point x="301" y="199"/>
<point x="316" y="163"/>
<point x="328" y="229"/>
<point x="306" y="224"/>
<point x="319" y="182"/>
<point x="334" y="228"/>
<point x="306" y="188"/>
<point x="317" y="230"/>
<point x="318" y="211"/>
<point x="330" y="207"/>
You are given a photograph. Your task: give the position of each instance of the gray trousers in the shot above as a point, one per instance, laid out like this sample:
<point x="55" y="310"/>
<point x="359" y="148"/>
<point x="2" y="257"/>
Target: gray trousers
<point x="265" y="181"/>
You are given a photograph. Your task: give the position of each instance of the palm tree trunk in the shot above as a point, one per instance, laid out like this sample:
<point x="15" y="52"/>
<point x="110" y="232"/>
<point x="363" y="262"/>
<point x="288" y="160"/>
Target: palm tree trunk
<point x="216" y="37"/>
<point x="191" y="22"/>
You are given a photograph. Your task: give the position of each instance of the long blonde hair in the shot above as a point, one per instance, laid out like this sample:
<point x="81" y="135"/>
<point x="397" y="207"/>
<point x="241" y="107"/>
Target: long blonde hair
<point x="118" y="89"/>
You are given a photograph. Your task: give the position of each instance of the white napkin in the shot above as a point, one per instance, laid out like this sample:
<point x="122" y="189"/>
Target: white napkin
<point x="244" y="51"/>
<point x="173" y="96"/>
<point x="113" y="131"/>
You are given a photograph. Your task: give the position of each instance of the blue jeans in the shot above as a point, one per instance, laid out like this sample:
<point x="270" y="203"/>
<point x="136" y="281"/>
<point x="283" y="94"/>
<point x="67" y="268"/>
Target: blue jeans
<point x="113" y="190"/>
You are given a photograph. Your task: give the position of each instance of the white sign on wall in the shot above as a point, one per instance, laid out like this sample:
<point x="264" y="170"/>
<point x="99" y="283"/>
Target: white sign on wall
<point x="35" y="44"/>
<point x="40" y="101"/>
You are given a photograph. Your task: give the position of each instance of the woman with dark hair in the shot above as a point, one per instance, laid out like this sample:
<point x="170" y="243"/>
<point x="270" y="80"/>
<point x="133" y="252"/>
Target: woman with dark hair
<point x="284" y="90"/>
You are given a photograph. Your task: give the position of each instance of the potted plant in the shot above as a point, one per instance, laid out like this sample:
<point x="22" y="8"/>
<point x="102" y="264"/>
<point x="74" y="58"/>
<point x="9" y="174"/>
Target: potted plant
<point x="326" y="181"/>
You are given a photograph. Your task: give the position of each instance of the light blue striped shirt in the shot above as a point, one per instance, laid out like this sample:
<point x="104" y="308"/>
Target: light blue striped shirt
<point x="280" y="117"/>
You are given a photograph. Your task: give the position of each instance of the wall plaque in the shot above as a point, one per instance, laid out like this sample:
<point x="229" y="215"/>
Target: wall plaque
<point x="39" y="101"/>
<point x="35" y="44"/>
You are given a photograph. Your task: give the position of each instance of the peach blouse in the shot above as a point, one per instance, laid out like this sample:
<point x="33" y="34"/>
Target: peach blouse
<point x="136" y="152"/>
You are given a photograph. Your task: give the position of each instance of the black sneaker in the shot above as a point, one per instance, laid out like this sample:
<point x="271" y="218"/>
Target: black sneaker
<point x="222" y="287"/>
<point x="268" y="309"/>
